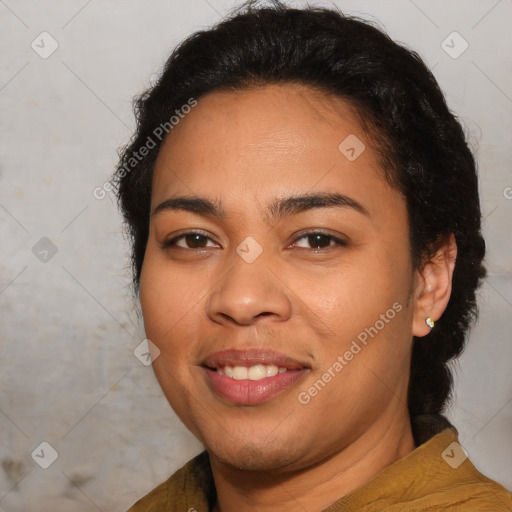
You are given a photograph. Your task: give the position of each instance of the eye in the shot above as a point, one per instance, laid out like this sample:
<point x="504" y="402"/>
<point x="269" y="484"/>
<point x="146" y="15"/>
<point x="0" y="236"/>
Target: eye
<point x="319" y="240"/>
<point x="189" y="240"/>
<point x="315" y="240"/>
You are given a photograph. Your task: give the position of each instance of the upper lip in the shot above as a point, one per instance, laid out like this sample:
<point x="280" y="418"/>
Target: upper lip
<point x="251" y="357"/>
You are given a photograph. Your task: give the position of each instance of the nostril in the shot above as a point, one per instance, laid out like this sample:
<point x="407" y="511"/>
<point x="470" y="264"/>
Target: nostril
<point x="264" y="314"/>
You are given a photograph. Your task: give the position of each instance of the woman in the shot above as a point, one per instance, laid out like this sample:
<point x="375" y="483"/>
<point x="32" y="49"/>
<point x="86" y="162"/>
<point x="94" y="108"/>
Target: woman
<point x="305" y="223"/>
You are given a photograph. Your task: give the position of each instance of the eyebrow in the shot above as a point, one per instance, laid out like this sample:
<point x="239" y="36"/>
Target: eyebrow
<point x="278" y="209"/>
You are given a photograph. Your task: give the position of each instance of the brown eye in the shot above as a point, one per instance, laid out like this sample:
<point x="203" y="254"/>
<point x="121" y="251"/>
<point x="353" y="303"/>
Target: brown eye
<point x="191" y="240"/>
<point x="318" y="240"/>
<point x="194" y="241"/>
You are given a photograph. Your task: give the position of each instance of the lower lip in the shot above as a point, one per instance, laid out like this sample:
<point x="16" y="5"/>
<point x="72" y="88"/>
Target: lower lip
<point x="251" y="392"/>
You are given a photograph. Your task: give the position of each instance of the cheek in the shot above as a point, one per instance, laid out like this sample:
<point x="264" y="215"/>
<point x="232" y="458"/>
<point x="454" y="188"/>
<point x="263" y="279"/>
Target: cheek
<point x="169" y="299"/>
<point x="352" y="295"/>
<point x="365" y="301"/>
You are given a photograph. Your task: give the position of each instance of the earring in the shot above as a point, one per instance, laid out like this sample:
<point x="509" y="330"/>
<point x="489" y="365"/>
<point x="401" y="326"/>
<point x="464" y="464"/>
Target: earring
<point x="429" y="322"/>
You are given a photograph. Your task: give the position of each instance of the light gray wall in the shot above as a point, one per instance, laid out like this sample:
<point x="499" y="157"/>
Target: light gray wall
<point x="68" y="330"/>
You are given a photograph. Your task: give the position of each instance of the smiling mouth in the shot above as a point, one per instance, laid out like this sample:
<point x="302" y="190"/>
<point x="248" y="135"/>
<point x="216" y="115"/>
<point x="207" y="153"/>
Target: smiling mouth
<point x="240" y="389"/>
<point x="256" y="372"/>
<point x="251" y="377"/>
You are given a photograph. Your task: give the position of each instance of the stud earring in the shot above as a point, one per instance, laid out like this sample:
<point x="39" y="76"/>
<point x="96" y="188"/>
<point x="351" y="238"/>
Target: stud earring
<point x="429" y="322"/>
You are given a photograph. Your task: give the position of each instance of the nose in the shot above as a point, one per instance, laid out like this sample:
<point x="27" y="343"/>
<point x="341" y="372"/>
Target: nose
<point x="248" y="293"/>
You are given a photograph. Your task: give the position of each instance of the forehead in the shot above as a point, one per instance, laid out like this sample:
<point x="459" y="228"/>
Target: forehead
<point x="272" y="139"/>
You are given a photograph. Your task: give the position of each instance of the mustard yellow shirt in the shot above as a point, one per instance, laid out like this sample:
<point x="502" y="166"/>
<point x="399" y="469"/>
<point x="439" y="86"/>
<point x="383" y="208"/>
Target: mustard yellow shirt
<point x="436" y="476"/>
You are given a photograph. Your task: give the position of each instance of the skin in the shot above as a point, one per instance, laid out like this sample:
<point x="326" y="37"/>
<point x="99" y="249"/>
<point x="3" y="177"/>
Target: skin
<point x="246" y="149"/>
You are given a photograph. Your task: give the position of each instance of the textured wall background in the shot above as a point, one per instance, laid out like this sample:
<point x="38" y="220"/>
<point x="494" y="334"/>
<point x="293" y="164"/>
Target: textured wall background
<point x="68" y="329"/>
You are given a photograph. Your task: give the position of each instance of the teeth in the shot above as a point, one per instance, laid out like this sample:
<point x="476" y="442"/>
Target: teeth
<point x="240" y="373"/>
<point x="271" y="370"/>
<point x="257" y="372"/>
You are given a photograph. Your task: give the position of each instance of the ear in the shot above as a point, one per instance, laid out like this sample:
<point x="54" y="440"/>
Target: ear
<point x="434" y="287"/>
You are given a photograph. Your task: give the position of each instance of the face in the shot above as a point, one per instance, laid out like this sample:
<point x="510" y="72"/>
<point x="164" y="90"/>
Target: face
<point x="277" y="287"/>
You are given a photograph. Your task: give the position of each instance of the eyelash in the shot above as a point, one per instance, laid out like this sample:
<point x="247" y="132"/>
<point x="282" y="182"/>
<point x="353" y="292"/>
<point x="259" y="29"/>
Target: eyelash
<point x="170" y="243"/>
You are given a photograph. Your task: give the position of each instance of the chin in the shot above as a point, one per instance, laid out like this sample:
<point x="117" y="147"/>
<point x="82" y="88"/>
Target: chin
<point x="255" y="456"/>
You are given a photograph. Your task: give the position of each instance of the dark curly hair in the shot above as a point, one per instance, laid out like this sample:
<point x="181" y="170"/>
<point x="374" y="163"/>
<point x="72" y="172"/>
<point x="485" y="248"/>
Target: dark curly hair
<point x="421" y="144"/>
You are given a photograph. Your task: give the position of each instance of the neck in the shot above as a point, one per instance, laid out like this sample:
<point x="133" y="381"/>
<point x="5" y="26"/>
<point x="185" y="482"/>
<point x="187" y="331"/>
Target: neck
<point x="318" y="486"/>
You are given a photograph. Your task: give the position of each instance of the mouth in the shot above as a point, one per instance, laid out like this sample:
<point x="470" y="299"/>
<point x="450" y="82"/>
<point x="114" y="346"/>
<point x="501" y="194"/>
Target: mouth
<point x="251" y="377"/>
<point x="256" y="372"/>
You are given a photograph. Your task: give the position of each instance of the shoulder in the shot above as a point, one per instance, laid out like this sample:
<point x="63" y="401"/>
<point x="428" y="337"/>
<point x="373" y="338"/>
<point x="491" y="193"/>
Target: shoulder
<point x="458" y="484"/>
<point x="436" y="476"/>
<point x="478" y="492"/>
<point x="191" y="483"/>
